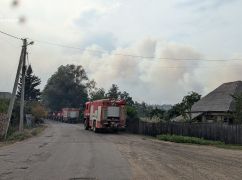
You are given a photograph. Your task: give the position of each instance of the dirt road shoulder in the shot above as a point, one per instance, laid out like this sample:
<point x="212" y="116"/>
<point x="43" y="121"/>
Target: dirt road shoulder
<point x="155" y="159"/>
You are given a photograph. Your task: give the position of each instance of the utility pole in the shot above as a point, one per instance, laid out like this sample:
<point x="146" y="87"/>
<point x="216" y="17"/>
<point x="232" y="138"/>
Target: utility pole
<point x="13" y="97"/>
<point x="21" y="121"/>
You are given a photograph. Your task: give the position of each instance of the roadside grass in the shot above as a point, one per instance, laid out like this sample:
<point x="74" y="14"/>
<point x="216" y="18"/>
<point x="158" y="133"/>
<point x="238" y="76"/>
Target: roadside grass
<point x="187" y="139"/>
<point x="198" y="141"/>
<point x="230" y="146"/>
<point x="15" y="136"/>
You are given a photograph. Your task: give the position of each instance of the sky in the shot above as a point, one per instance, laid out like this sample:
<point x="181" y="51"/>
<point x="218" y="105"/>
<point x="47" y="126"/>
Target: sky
<point x="184" y="37"/>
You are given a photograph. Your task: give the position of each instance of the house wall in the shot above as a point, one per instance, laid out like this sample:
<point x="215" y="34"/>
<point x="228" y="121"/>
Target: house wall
<point x="215" y="117"/>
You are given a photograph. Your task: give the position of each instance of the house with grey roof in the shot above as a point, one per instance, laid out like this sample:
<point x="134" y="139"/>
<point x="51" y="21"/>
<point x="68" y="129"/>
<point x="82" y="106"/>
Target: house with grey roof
<point x="217" y="106"/>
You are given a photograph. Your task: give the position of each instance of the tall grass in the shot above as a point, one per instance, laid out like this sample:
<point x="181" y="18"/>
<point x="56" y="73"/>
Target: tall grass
<point x="187" y="139"/>
<point x="4" y="105"/>
<point x="27" y="133"/>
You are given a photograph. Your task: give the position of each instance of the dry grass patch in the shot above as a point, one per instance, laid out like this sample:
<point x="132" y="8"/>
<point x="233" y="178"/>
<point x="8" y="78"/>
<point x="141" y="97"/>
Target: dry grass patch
<point x="20" y="136"/>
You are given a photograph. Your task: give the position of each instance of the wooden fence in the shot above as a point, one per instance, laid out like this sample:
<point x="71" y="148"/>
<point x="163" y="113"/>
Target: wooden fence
<point x="230" y="134"/>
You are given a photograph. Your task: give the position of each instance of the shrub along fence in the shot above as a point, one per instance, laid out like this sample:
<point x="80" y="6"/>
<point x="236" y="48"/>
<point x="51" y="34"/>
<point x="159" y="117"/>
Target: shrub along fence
<point x="3" y="124"/>
<point x="229" y="134"/>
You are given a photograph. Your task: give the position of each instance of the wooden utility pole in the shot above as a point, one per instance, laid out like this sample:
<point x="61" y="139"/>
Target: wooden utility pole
<point x="21" y="121"/>
<point x="13" y="97"/>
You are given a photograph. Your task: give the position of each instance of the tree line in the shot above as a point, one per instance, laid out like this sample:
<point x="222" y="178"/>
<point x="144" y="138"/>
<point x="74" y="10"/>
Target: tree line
<point x="70" y="86"/>
<point x="32" y="98"/>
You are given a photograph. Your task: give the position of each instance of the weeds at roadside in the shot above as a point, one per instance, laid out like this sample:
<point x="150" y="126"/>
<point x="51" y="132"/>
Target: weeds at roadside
<point x="20" y="136"/>
<point x="199" y="141"/>
<point x="187" y="139"/>
<point x="230" y="146"/>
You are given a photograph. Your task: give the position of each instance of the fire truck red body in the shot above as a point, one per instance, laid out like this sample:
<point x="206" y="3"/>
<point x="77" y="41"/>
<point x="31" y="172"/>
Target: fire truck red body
<point x="105" y="114"/>
<point x="68" y="115"/>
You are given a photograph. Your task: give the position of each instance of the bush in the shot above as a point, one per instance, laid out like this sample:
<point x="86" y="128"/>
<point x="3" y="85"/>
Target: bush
<point x="187" y="139"/>
<point x="4" y="105"/>
<point x="15" y="135"/>
<point x="15" y="114"/>
<point x="19" y="136"/>
<point x="38" y="111"/>
<point x="154" y="119"/>
<point x="131" y="112"/>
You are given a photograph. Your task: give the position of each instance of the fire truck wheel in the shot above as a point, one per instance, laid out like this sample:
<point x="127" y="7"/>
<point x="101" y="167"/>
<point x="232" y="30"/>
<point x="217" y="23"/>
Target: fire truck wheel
<point x="86" y="125"/>
<point x="94" y="127"/>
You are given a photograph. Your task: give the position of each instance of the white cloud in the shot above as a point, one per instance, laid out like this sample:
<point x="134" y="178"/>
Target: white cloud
<point x="127" y="27"/>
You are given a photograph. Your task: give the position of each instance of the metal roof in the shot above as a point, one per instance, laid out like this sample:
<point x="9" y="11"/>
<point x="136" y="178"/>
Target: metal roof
<point x="180" y="118"/>
<point x="220" y="99"/>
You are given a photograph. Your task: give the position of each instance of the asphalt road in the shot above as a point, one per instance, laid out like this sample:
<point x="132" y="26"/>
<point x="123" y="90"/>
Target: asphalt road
<point x="63" y="151"/>
<point x="66" y="151"/>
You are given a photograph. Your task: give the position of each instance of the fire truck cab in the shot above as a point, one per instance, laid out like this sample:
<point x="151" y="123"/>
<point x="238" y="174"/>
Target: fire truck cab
<point x="105" y="114"/>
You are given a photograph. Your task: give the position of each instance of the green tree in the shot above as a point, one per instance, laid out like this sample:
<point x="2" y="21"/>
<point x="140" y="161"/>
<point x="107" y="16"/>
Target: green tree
<point x="97" y="94"/>
<point x="38" y="111"/>
<point x="91" y="87"/>
<point x="174" y="111"/>
<point x="94" y="92"/>
<point x="31" y="92"/>
<point x="113" y="92"/>
<point x="131" y="112"/>
<point x="66" y="88"/>
<point x="160" y="113"/>
<point x="186" y="105"/>
<point x="238" y="108"/>
<point x="142" y="109"/>
<point x="128" y="99"/>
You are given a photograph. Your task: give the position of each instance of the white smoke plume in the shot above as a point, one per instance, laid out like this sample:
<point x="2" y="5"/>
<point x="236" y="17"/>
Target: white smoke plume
<point x="153" y="80"/>
<point x="156" y="80"/>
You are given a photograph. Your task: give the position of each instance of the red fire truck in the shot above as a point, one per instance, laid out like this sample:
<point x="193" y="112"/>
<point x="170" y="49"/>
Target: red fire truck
<point x="68" y="115"/>
<point x="105" y="114"/>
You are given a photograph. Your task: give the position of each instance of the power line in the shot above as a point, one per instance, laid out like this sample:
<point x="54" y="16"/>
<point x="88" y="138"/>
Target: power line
<point x="200" y="67"/>
<point x="151" y="58"/>
<point x="137" y="56"/>
<point x="7" y="34"/>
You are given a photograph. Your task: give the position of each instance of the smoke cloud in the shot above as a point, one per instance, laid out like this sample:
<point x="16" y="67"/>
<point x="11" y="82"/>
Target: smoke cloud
<point x="107" y="26"/>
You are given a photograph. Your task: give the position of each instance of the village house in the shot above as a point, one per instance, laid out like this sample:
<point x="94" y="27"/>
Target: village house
<point x="217" y="106"/>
